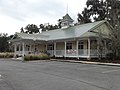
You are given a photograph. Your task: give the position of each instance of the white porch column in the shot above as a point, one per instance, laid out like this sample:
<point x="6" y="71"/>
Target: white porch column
<point x="55" y="48"/>
<point x="65" y="48"/>
<point x="15" y="49"/>
<point x="23" y="49"/>
<point x="89" y="49"/>
<point x="34" y="47"/>
<point x="77" y="49"/>
<point x="30" y="48"/>
<point x="105" y="47"/>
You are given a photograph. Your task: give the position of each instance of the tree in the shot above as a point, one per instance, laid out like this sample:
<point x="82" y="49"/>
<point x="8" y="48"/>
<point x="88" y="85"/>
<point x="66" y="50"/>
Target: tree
<point x="42" y="27"/>
<point x="31" y="28"/>
<point x="4" y="44"/>
<point x="99" y="10"/>
<point x="109" y="10"/>
<point x="59" y="23"/>
<point x="22" y="30"/>
<point x="84" y="17"/>
<point x="48" y="27"/>
<point x="103" y="9"/>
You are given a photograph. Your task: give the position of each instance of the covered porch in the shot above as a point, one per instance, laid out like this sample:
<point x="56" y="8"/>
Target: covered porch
<point x="24" y="47"/>
<point x="80" y="48"/>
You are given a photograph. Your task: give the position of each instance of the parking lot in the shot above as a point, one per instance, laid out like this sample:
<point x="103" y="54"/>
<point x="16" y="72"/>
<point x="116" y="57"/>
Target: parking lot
<point x="53" y="75"/>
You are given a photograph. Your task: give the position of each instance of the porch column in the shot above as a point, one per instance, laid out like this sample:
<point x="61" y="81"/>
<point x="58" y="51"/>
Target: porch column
<point x="105" y="47"/>
<point x="77" y="49"/>
<point x="30" y="48"/>
<point x="55" y="48"/>
<point x="34" y="47"/>
<point x="23" y="49"/>
<point x="89" y="49"/>
<point x="65" y="48"/>
<point x="15" y="49"/>
<point x="98" y="49"/>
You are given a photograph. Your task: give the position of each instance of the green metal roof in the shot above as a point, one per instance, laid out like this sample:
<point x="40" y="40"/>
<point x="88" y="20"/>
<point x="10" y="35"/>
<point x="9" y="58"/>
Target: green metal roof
<point x="79" y="31"/>
<point x="67" y="18"/>
<point x="74" y="31"/>
<point x="33" y="36"/>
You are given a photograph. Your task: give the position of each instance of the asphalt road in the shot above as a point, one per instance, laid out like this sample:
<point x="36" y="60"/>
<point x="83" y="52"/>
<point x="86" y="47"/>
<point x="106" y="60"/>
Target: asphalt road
<point x="53" y="75"/>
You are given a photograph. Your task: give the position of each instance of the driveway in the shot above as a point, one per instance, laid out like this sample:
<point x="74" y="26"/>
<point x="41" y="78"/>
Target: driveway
<point x="53" y="75"/>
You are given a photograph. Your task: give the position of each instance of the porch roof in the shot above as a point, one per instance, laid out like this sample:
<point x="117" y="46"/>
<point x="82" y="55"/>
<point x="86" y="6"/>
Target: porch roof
<point x="79" y="31"/>
<point x="32" y="36"/>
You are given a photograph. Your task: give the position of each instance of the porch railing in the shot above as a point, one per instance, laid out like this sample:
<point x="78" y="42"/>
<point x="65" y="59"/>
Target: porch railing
<point x="60" y="52"/>
<point x="73" y="52"/>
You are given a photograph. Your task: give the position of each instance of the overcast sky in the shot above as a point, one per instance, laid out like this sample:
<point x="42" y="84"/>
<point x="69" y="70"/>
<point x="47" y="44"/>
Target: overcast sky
<point x="15" y="14"/>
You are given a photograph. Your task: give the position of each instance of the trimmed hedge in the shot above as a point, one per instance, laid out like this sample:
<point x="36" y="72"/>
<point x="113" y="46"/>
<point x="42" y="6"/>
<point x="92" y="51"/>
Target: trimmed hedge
<point x="31" y="57"/>
<point x="6" y="55"/>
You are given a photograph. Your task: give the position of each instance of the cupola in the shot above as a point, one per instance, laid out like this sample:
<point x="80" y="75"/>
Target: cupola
<point x="66" y="21"/>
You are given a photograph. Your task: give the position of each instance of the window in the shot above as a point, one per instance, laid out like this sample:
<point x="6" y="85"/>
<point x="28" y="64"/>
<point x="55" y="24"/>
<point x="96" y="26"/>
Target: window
<point x="50" y="47"/>
<point x="69" y="45"/>
<point x="81" y="45"/>
<point x="17" y="48"/>
<point x="28" y="47"/>
<point x="21" y="48"/>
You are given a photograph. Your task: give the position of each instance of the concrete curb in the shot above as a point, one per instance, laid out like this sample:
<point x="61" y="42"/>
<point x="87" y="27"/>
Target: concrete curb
<point x="87" y="62"/>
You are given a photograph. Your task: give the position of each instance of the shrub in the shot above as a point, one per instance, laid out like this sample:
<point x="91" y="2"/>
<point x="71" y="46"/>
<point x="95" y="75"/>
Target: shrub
<point x="6" y="55"/>
<point x="109" y="56"/>
<point x="36" y="57"/>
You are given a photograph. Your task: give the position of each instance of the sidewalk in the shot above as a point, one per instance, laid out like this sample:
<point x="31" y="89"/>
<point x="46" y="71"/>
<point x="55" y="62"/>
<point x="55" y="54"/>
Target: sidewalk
<point x="74" y="61"/>
<point x="87" y="62"/>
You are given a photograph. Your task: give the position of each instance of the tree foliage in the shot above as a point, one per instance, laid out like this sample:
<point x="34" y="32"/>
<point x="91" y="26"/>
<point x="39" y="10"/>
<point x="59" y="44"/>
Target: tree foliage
<point x="48" y="27"/>
<point x="4" y="44"/>
<point x="84" y="17"/>
<point x="100" y="10"/>
<point x="22" y="30"/>
<point x="31" y="28"/>
<point x="109" y="10"/>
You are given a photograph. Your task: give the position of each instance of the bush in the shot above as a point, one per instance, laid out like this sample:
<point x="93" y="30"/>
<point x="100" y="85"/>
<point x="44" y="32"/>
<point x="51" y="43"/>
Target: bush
<point x="6" y="55"/>
<point x="36" y="57"/>
<point x="110" y="56"/>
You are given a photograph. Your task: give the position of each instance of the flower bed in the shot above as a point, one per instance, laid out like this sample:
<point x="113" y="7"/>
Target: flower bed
<point x="6" y="55"/>
<point x="36" y="57"/>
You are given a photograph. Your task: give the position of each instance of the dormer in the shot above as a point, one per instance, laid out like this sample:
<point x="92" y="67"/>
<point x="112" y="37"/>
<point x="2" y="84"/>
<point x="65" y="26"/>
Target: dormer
<point x="66" y="21"/>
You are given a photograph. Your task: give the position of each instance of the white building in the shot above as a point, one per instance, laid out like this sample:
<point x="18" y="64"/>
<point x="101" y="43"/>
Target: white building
<point x="80" y="41"/>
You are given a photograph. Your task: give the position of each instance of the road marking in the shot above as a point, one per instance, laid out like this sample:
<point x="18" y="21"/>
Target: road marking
<point x="110" y="71"/>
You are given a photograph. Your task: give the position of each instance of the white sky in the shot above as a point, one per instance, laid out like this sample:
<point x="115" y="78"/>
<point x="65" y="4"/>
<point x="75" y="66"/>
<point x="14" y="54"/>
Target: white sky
<point x="15" y="14"/>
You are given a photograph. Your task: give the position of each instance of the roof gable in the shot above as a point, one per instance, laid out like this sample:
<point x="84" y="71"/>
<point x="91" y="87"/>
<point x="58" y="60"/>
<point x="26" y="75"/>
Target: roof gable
<point x="67" y="17"/>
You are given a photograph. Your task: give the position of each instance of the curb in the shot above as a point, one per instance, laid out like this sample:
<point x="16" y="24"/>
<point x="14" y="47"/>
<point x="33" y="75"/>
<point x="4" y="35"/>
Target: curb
<point x="87" y="62"/>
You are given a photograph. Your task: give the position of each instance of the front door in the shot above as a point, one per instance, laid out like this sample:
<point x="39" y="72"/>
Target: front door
<point x="50" y="49"/>
<point x="81" y="48"/>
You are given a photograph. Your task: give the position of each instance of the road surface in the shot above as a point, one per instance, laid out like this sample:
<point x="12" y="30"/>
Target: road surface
<point x="53" y="75"/>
